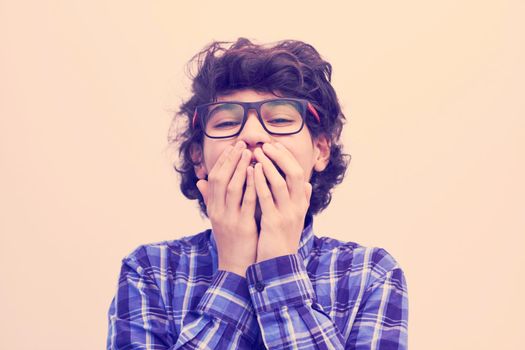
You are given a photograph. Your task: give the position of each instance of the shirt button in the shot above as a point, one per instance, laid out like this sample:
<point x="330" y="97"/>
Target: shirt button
<point x="259" y="286"/>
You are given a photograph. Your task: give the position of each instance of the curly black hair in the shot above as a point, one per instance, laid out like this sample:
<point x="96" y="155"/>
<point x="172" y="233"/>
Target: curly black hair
<point x="288" y="68"/>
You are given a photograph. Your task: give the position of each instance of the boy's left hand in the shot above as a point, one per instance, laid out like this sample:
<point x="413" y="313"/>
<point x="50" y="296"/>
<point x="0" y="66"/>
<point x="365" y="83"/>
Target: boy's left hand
<point x="284" y="206"/>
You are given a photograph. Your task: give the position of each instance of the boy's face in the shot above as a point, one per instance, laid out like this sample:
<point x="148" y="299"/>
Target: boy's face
<point x="309" y="153"/>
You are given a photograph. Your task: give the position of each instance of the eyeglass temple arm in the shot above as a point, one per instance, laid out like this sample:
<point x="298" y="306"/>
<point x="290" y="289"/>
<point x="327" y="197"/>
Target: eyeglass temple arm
<point x="194" y="119"/>
<point x="313" y="111"/>
<point x="308" y="105"/>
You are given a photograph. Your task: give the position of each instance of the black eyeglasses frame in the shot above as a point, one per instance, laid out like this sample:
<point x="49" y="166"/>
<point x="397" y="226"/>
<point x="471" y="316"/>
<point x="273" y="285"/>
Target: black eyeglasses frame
<point x="305" y="105"/>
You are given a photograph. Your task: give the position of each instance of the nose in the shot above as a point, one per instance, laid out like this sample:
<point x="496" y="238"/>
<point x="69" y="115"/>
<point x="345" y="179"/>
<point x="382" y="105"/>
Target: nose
<point x="253" y="132"/>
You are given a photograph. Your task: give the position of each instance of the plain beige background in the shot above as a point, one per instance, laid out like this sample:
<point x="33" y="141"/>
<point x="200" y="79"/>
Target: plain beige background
<point x="434" y="95"/>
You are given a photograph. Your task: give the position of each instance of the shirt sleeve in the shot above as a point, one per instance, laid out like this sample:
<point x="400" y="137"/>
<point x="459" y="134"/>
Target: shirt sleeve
<point x="224" y="318"/>
<point x="382" y="319"/>
<point x="290" y="316"/>
<point x="139" y="318"/>
<point x="137" y="314"/>
<point x="287" y="310"/>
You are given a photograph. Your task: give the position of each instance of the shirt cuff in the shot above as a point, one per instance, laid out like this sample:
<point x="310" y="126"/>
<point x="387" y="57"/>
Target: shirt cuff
<point x="280" y="281"/>
<point x="227" y="298"/>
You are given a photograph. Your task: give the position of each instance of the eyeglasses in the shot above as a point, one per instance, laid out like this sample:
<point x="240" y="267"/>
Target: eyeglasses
<point x="278" y="116"/>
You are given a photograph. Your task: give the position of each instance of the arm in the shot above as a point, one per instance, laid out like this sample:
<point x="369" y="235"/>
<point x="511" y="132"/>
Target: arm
<point x="288" y="313"/>
<point x="282" y="294"/>
<point x="382" y="319"/>
<point x="137" y="316"/>
<point x="224" y="318"/>
<point x="290" y="317"/>
<point x="139" y="319"/>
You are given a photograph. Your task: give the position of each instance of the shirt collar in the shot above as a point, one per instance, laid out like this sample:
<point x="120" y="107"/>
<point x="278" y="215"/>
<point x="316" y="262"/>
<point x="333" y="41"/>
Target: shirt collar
<point x="305" y="244"/>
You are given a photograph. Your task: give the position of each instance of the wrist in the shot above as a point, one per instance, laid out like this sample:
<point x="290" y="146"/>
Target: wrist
<point x="239" y="270"/>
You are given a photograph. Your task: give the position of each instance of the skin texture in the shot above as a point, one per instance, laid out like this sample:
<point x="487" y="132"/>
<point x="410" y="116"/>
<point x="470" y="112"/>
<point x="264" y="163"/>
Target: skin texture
<point x="256" y="213"/>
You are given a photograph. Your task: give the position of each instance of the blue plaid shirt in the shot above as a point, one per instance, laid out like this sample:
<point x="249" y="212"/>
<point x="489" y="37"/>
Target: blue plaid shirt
<point x="330" y="295"/>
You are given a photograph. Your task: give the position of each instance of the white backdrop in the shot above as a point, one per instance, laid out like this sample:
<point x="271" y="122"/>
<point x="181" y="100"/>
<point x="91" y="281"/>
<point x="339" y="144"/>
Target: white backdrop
<point x="433" y="93"/>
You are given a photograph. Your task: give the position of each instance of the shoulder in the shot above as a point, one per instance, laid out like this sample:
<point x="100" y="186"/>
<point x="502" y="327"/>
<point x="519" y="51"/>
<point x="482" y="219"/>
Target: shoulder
<point x="164" y="253"/>
<point x="373" y="264"/>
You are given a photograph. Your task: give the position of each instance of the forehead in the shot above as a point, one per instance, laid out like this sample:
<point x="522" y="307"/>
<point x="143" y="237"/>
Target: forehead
<point x="246" y="95"/>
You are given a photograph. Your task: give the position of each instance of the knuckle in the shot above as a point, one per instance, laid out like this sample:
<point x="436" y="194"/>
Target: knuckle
<point x="231" y="156"/>
<point x="231" y="189"/>
<point x="212" y="178"/>
<point x="280" y="184"/>
<point x="218" y="180"/>
<point x="265" y="196"/>
<point x="249" y="197"/>
<point x="216" y="216"/>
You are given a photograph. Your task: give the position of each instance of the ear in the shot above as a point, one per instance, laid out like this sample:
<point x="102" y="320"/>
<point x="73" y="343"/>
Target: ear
<point x="322" y="146"/>
<point x="196" y="157"/>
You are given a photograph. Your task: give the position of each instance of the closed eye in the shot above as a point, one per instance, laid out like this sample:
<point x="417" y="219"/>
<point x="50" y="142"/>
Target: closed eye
<point x="279" y="121"/>
<point x="226" y="124"/>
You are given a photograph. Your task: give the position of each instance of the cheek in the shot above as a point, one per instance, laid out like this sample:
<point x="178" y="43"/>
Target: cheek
<point x="301" y="146"/>
<point x="210" y="158"/>
<point x="303" y="155"/>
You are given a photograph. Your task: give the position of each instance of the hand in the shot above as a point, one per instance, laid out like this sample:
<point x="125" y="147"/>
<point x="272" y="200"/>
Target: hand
<point x="233" y="222"/>
<point x="283" y="207"/>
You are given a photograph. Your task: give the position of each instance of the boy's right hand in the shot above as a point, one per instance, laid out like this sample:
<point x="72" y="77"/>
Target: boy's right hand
<point x="232" y="216"/>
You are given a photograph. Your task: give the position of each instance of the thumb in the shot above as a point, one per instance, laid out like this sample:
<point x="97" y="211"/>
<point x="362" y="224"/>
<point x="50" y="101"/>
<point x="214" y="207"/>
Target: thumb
<point x="202" y="186"/>
<point x="308" y="191"/>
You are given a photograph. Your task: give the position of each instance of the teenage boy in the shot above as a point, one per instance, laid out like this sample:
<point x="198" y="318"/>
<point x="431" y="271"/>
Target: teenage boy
<point x="260" y="153"/>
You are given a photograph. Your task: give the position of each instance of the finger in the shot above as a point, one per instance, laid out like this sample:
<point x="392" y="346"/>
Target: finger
<point x="222" y="158"/>
<point x="250" y="198"/>
<point x="222" y="176"/>
<point x="214" y="170"/>
<point x="278" y="184"/>
<point x="291" y="168"/>
<point x="202" y="186"/>
<point x="263" y="191"/>
<point x="234" y="189"/>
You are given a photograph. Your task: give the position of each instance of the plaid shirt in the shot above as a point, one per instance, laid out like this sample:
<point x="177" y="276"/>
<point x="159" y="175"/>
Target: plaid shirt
<point x="330" y="295"/>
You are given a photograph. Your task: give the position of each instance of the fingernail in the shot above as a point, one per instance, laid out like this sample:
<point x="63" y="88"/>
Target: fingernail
<point x="240" y="144"/>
